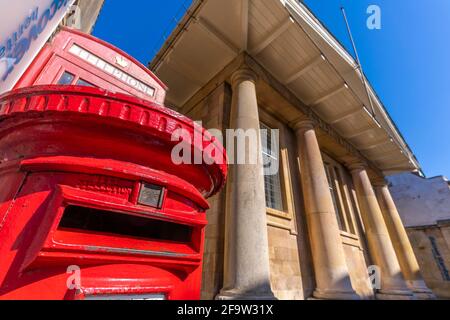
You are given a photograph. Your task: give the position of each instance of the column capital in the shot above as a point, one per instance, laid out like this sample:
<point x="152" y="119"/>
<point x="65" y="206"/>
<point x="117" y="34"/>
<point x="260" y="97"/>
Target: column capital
<point x="302" y="124"/>
<point x="379" y="182"/>
<point x="243" y="74"/>
<point x="356" y="166"/>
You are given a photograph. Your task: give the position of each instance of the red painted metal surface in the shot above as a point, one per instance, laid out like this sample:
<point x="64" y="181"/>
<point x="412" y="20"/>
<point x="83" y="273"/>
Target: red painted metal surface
<point x="75" y="163"/>
<point x="97" y="56"/>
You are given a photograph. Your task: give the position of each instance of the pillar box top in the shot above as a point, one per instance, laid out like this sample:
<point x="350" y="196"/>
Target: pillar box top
<point x="92" y="123"/>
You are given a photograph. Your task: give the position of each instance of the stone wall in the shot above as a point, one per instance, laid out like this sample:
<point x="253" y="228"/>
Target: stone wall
<point x="358" y="270"/>
<point x="285" y="274"/>
<point x="86" y="17"/>
<point x="424" y="206"/>
<point x="212" y="111"/>
<point x="420" y="201"/>
<point x="214" y="249"/>
<point x="432" y="248"/>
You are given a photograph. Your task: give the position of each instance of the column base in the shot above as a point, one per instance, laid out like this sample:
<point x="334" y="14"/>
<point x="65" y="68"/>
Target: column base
<point x="335" y="295"/>
<point x="243" y="295"/>
<point x="395" y="295"/>
<point x="420" y="290"/>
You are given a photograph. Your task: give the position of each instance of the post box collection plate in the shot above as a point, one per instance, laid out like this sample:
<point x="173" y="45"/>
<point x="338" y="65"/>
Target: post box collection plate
<point x="151" y="195"/>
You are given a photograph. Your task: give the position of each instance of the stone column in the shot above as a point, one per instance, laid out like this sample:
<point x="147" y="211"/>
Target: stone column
<point x="246" y="274"/>
<point x="393" y="285"/>
<point x="400" y="240"/>
<point x="330" y="267"/>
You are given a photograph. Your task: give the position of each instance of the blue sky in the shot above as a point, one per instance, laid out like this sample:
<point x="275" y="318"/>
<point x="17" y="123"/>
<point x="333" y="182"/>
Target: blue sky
<point x="407" y="61"/>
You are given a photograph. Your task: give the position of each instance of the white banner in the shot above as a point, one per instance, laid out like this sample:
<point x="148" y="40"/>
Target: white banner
<point x="25" y="26"/>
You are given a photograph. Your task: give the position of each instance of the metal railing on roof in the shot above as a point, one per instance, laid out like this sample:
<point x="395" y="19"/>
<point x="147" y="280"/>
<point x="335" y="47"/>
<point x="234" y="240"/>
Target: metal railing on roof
<point x="173" y="23"/>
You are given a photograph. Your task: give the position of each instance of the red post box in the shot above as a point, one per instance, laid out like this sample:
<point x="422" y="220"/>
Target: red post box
<point x="91" y="204"/>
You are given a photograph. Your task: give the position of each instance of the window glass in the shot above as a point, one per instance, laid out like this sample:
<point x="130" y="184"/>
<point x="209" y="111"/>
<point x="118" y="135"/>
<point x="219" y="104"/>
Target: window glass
<point x="272" y="182"/>
<point x="332" y="184"/>
<point x="348" y="202"/>
<point x="66" y="78"/>
<point x="84" y="83"/>
<point x="340" y="196"/>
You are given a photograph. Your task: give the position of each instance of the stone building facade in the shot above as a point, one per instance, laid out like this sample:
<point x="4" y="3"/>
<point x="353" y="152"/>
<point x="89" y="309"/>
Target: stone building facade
<point x="424" y="205"/>
<point x="314" y="229"/>
<point x="83" y="15"/>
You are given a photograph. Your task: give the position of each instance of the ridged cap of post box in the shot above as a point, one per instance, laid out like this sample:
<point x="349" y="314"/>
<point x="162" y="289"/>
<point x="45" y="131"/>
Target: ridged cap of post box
<point x="152" y="120"/>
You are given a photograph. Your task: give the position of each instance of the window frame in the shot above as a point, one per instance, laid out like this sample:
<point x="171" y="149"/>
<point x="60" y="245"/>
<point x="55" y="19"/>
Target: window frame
<point x="284" y="219"/>
<point x="72" y="81"/>
<point x="342" y="195"/>
<point x="263" y="126"/>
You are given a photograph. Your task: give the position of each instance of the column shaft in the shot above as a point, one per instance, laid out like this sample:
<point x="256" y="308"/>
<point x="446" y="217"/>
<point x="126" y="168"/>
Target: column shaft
<point x="402" y="246"/>
<point x="393" y="285"/>
<point x="247" y="274"/>
<point x="331" y="271"/>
